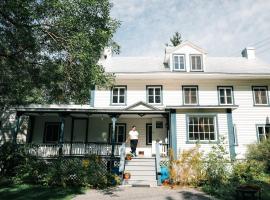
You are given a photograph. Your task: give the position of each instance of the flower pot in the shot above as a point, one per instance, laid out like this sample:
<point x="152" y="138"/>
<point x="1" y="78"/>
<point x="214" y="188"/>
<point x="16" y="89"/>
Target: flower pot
<point x="126" y="176"/>
<point x="128" y="157"/>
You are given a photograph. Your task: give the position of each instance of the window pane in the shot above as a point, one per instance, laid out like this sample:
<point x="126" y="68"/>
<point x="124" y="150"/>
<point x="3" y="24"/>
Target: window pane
<point x="267" y="132"/>
<point x="222" y="100"/>
<point x="229" y="100"/>
<point x="115" y="91"/>
<point x="122" y="91"/>
<point x="176" y="63"/>
<point x="193" y="64"/>
<point x="115" y="99"/>
<point x="221" y="92"/>
<point x="151" y="91"/>
<point x="122" y="99"/>
<point x="193" y="99"/>
<point x="151" y="99"/>
<point x="182" y="63"/>
<point x="199" y="64"/>
<point x="157" y="98"/>
<point x="157" y="91"/>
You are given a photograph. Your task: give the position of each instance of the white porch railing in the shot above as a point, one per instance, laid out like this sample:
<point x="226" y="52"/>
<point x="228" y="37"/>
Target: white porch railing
<point x="77" y="148"/>
<point x="163" y="148"/>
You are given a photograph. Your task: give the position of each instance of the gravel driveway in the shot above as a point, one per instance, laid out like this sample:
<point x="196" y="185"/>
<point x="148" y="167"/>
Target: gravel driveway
<point x="144" y="193"/>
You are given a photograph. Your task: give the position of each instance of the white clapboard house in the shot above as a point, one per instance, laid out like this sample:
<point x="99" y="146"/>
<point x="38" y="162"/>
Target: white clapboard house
<point x="177" y="100"/>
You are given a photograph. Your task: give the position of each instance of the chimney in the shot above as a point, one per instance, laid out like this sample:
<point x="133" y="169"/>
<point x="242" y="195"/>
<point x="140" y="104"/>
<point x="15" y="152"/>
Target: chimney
<point x="107" y="53"/>
<point x="249" y="53"/>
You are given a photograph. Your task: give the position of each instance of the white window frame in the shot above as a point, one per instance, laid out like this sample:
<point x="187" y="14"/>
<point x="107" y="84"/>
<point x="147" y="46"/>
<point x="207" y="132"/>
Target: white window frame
<point x="196" y="66"/>
<point x="264" y="131"/>
<point x="179" y="62"/>
<point x="197" y="96"/>
<point x="198" y="116"/>
<point x="154" y="94"/>
<point x="254" y="95"/>
<point x="118" y="95"/>
<point x="225" y="95"/>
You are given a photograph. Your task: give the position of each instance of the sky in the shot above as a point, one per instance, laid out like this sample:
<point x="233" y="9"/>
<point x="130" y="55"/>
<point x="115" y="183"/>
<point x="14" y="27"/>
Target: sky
<point x="221" y="27"/>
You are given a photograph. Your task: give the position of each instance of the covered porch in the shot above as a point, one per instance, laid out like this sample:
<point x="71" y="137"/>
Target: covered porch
<point x="80" y="132"/>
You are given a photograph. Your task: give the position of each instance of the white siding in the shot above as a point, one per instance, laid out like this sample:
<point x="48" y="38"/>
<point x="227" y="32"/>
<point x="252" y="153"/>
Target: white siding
<point x="245" y="117"/>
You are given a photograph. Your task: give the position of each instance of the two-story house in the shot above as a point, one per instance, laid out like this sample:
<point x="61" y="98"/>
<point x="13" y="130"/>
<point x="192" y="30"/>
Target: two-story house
<point x="183" y="98"/>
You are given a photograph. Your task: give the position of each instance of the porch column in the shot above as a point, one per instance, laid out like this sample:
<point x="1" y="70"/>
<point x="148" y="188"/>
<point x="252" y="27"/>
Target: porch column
<point x="173" y="138"/>
<point x="114" y="119"/>
<point x="61" y="138"/>
<point x="30" y="130"/>
<point x="230" y="134"/>
<point x="17" y="127"/>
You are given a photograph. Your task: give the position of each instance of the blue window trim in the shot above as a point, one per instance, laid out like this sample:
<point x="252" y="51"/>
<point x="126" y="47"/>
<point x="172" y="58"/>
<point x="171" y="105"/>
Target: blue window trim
<point x="215" y="115"/>
<point x="179" y="70"/>
<point x="197" y="94"/>
<point x="161" y="94"/>
<point x="257" y="130"/>
<point x="111" y="97"/>
<point x="225" y="86"/>
<point x="253" y="95"/>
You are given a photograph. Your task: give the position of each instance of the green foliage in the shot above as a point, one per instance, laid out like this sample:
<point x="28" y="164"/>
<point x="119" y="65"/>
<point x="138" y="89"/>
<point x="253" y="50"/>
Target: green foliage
<point x="246" y="172"/>
<point x="260" y="152"/>
<point x="49" y="50"/>
<point x="176" y="39"/>
<point x="11" y="155"/>
<point x="217" y="165"/>
<point x="20" y="167"/>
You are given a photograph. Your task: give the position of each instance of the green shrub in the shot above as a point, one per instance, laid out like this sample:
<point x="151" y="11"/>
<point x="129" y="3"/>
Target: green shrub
<point x="261" y="153"/>
<point x="246" y="172"/>
<point x="11" y="155"/>
<point x="216" y="165"/>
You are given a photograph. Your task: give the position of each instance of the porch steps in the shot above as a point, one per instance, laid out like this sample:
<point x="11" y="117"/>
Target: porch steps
<point x="142" y="171"/>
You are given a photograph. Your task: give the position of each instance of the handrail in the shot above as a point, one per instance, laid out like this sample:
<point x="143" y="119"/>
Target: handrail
<point x="122" y="152"/>
<point x="158" y="174"/>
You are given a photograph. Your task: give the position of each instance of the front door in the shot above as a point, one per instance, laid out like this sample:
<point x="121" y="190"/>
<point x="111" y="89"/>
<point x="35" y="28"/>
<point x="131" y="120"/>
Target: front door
<point x="149" y="134"/>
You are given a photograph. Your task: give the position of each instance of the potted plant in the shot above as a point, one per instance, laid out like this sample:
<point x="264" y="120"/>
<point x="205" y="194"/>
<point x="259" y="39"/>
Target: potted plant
<point x="127" y="175"/>
<point x="128" y="156"/>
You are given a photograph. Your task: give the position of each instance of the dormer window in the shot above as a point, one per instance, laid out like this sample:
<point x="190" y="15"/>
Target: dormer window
<point x="179" y="63"/>
<point x="196" y="63"/>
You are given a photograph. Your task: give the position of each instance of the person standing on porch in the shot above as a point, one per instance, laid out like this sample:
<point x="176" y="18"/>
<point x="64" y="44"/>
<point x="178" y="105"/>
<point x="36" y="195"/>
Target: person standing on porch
<point x="133" y="136"/>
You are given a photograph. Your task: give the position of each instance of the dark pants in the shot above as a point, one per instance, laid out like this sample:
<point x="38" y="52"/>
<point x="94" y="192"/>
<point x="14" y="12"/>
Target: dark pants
<point x="133" y="145"/>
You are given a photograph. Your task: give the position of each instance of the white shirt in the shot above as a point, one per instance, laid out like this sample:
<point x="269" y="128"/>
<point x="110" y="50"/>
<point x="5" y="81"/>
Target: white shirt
<point x="133" y="135"/>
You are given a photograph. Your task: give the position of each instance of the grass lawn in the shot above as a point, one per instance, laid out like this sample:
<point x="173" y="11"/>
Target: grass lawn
<point x="29" y="192"/>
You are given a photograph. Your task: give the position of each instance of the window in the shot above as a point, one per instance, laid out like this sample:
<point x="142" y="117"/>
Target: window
<point x="119" y="95"/>
<point x="148" y="133"/>
<point x="154" y="94"/>
<point x="179" y="62"/>
<point x="260" y="95"/>
<point x="120" y="132"/>
<point x="263" y="132"/>
<point x="196" y="63"/>
<point x="52" y="132"/>
<point x="225" y="95"/>
<point x="202" y="128"/>
<point x="190" y="95"/>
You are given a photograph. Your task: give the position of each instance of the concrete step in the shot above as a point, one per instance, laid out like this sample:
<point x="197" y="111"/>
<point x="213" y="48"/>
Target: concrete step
<point x="143" y="159"/>
<point x="140" y="183"/>
<point x="136" y="163"/>
<point x="143" y="173"/>
<point x="143" y="177"/>
<point x="139" y="168"/>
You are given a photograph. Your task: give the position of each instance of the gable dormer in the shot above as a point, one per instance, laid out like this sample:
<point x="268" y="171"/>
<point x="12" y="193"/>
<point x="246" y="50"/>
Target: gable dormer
<point x="186" y="57"/>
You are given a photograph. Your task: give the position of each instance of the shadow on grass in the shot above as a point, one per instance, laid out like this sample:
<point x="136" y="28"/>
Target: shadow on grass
<point x="29" y="192"/>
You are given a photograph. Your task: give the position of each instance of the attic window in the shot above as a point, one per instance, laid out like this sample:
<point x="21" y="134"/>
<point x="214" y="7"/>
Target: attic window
<point x="179" y="63"/>
<point x="196" y="63"/>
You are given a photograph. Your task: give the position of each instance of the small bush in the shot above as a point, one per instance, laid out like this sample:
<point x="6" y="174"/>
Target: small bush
<point x="247" y="172"/>
<point x="260" y="152"/>
<point x="216" y="165"/>
<point x="188" y="168"/>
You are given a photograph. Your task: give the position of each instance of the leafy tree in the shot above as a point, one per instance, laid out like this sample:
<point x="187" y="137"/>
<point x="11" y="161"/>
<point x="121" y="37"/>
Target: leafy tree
<point x="176" y="39"/>
<point x="49" y="49"/>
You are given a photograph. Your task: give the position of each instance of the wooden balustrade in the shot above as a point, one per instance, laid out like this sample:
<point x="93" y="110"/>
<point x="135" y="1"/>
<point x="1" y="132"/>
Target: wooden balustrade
<point x="76" y="148"/>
